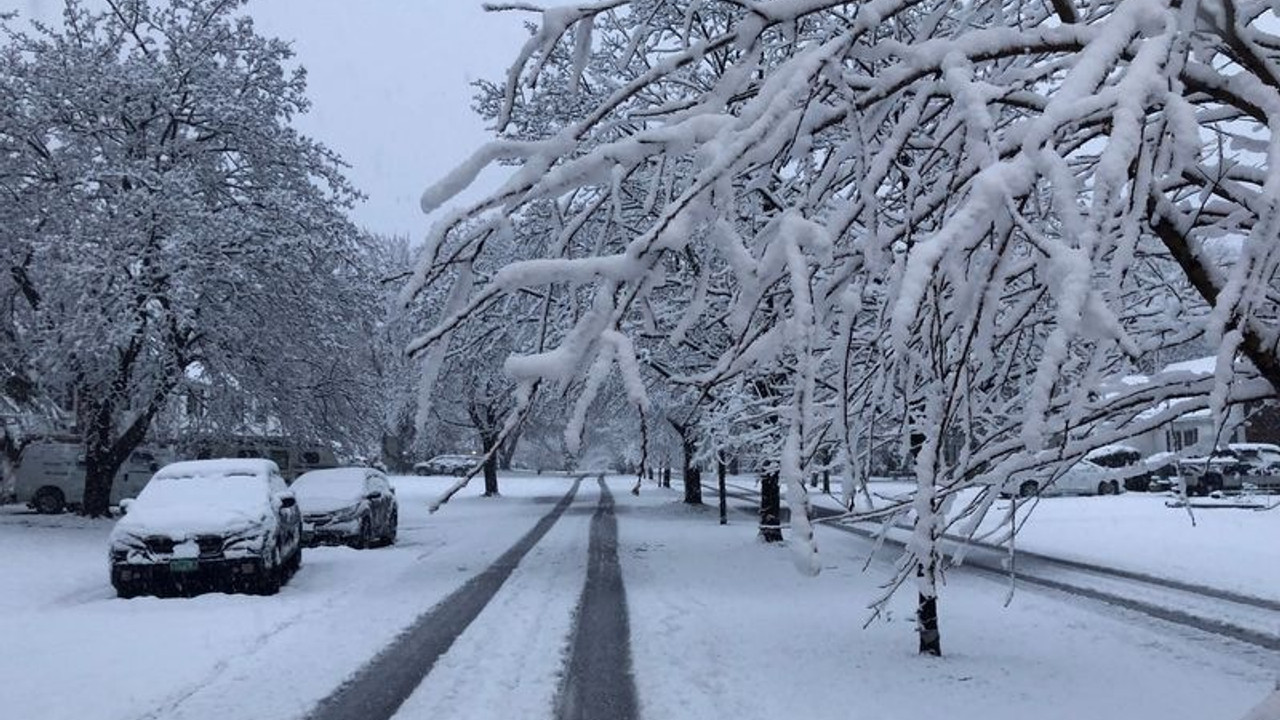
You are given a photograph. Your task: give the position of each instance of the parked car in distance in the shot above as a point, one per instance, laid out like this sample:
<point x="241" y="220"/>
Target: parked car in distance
<point x="1231" y="469"/>
<point x="447" y="465"/>
<point x="1163" y="472"/>
<point x="1127" y="461"/>
<point x="1259" y="458"/>
<point x="347" y="506"/>
<point x="208" y="524"/>
<point x="49" y="477"/>
<point x="1082" y="478"/>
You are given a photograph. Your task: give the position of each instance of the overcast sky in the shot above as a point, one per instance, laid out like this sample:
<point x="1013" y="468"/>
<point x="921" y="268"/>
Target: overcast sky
<point x="390" y="86"/>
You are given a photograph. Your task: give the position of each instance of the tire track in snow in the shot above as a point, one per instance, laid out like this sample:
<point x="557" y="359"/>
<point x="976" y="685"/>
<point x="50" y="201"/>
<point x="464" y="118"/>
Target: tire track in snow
<point x="598" y="682"/>
<point x="379" y="688"/>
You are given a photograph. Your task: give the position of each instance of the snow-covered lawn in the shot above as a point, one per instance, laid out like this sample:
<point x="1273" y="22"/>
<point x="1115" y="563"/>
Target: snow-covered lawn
<point x="1228" y="548"/>
<point x="722" y="625"/>
<point x="725" y="627"/>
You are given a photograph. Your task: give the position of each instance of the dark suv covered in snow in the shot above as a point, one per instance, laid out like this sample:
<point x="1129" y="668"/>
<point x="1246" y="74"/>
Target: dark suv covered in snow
<point x="208" y="524"/>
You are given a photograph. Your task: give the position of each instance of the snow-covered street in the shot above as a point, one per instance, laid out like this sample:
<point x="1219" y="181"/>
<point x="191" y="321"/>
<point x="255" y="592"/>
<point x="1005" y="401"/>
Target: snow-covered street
<point x="722" y="626"/>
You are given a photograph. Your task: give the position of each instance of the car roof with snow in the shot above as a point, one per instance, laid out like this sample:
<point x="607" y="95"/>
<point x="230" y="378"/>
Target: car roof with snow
<point x="222" y="467"/>
<point x="1261" y="447"/>
<point x="338" y="474"/>
<point x="317" y="481"/>
<point x="201" y="496"/>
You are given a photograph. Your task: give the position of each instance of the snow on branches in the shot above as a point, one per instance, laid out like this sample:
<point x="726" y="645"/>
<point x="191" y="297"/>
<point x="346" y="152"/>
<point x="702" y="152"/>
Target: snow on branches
<point x="937" y="229"/>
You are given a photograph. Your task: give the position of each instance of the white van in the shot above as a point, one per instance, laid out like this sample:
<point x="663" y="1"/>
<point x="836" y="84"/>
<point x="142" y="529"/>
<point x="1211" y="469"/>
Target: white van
<point x="292" y="459"/>
<point x="50" y="474"/>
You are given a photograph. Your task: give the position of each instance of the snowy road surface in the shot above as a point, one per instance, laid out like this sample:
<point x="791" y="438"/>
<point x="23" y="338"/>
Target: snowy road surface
<point x="380" y="687"/>
<point x="721" y="626"/>
<point x="598" y="681"/>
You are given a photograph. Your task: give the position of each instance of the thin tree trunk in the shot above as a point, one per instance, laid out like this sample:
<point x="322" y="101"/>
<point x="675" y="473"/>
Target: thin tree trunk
<point x="692" y="473"/>
<point x="770" y="508"/>
<point x="693" y="486"/>
<point x="927" y="624"/>
<point x="724" y="505"/>
<point x="491" y="476"/>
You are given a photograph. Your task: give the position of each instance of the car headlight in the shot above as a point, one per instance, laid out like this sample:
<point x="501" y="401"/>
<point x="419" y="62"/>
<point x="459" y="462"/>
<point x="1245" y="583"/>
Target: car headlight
<point x="122" y="545"/>
<point x="346" y="514"/>
<point x="253" y="539"/>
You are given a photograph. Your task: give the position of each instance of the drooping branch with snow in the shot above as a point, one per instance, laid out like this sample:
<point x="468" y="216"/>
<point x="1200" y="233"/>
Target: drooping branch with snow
<point x="953" y="224"/>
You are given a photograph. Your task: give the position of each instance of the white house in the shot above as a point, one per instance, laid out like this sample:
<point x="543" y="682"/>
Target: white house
<point x="1194" y="433"/>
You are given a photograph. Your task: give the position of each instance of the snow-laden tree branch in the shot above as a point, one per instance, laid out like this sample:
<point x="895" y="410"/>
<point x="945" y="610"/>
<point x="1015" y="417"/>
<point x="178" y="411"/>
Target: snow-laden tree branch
<point x="952" y="225"/>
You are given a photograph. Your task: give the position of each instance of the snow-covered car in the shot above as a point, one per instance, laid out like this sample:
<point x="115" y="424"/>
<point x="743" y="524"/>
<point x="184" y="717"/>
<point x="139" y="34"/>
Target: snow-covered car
<point x="1082" y="478"/>
<point x="447" y="465"/>
<point x="1163" y="471"/>
<point x="1125" y="460"/>
<point x="350" y="505"/>
<point x="205" y="524"/>
<point x="1231" y="469"/>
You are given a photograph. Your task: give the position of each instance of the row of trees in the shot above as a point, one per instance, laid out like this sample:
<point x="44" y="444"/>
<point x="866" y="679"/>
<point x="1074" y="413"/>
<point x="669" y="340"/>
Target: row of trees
<point x="804" y="230"/>
<point x="171" y="241"/>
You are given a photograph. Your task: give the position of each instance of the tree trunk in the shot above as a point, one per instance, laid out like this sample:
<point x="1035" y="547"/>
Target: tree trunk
<point x="693" y="486"/>
<point x="770" y="508"/>
<point x="101" y="463"/>
<point x="927" y="624"/>
<point x="692" y="473"/>
<point x="491" y="476"/>
<point x="487" y="443"/>
<point x="724" y="505"/>
<point x="666" y="477"/>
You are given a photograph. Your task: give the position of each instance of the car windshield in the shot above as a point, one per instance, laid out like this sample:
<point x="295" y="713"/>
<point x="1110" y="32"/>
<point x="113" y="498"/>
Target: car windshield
<point x="338" y="484"/>
<point x="241" y="492"/>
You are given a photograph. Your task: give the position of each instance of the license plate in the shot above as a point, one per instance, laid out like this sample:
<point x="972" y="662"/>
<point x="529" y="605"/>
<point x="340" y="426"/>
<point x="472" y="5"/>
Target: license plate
<point x="184" y="565"/>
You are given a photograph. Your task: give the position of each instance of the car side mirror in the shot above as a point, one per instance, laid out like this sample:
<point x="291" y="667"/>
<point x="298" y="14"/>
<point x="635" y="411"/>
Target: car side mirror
<point x="287" y="500"/>
<point x="373" y="495"/>
<point x="124" y="505"/>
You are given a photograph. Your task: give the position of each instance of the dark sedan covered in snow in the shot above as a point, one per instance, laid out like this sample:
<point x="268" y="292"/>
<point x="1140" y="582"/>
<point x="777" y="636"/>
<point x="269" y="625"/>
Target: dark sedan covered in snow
<point x="208" y="524"/>
<point x="347" y="506"/>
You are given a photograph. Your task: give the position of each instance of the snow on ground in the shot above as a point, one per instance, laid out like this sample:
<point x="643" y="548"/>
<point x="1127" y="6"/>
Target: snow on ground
<point x="73" y="650"/>
<point x="508" y="662"/>
<point x="724" y="627"/>
<point x="1228" y="548"/>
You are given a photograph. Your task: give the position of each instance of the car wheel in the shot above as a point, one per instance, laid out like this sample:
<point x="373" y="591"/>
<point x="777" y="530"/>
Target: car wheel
<point x="127" y="592"/>
<point x="269" y="574"/>
<point x="49" y="501"/>
<point x="294" y="562"/>
<point x="1104" y="488"/>
<point x="1028" y="489"/>
<point x="392" y="524"/>
<point x="1115" y="487"/>
<point x="365" y="538"/>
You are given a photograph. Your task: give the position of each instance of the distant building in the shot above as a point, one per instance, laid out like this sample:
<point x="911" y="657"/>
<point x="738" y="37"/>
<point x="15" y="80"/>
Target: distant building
<point x="1194" y="433"/>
